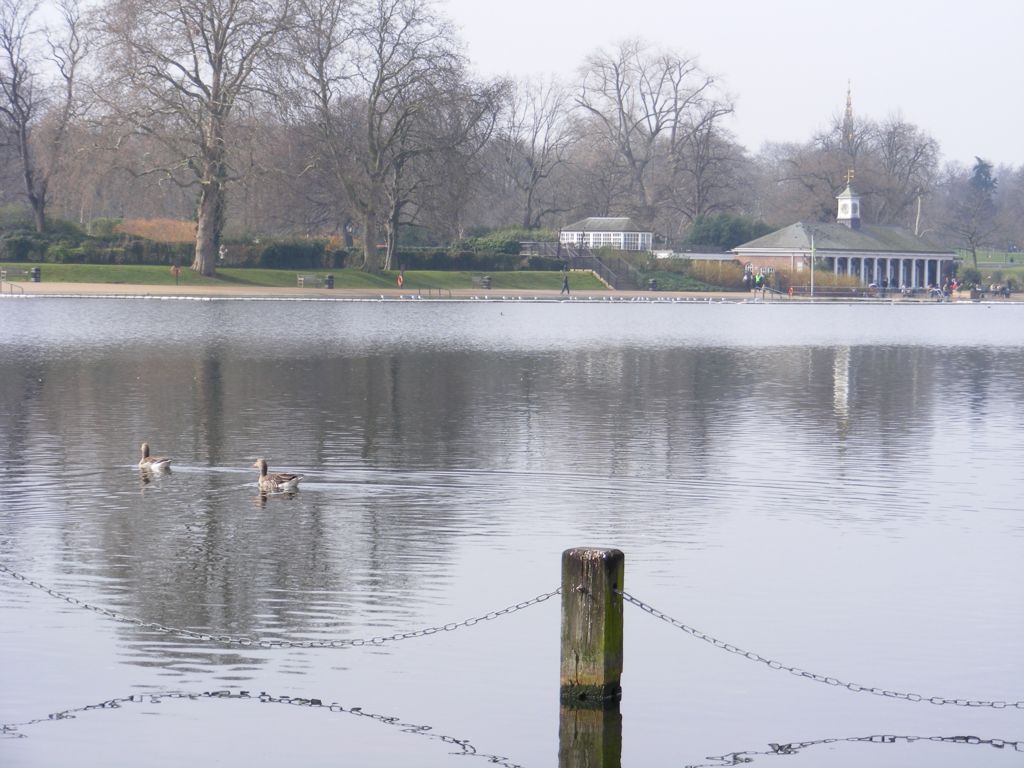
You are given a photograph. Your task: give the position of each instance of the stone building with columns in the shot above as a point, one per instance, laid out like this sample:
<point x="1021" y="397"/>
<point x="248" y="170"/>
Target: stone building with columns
<point x="885" y="256"/>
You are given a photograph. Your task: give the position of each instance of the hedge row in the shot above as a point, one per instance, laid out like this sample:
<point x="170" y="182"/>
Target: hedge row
<point x="275" y="254"/>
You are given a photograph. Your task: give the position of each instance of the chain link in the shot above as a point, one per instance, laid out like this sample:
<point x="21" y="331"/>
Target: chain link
<point x="251" y="642"/>
<point x="939" y="700"/>
<point x="466" y="749"/>
<point x="741" y="758"/>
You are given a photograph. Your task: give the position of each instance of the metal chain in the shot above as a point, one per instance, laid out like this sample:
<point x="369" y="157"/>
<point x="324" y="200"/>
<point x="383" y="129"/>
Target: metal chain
<point x="260" y="643"/>
<point x="741" y="758"/>
<point x="813" y="675"/>
<point x="466" y="749"/>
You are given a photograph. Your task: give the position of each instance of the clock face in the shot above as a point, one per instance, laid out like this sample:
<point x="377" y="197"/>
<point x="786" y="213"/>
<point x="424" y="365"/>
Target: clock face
<point x="844" y="208"/>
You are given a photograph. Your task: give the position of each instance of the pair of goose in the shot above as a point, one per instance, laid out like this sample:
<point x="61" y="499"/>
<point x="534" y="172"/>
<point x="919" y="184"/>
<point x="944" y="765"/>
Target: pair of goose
<point x="268" y="482"/>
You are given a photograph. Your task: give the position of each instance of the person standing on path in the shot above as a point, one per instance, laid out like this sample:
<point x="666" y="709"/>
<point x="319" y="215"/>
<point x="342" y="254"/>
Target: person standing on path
<point x="565" y="283"/>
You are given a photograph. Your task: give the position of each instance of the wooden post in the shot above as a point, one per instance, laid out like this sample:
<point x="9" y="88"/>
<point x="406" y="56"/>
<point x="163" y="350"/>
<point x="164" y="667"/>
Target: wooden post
<point x="592" y="580"/>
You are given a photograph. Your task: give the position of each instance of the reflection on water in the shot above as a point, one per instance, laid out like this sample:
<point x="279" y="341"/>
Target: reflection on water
<point x="837" y="487"/>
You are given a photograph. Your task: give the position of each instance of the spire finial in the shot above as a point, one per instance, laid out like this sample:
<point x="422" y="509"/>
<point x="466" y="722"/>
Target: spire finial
<point x="848" y="116"/>
<point x="849" y="176"/>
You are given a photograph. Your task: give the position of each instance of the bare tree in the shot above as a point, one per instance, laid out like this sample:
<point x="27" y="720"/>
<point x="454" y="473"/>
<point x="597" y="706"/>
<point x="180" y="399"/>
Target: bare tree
<point x="972" y="213"/>
<point x="1010" y="207"/>
<point x="646" y="106"/>
<point x="817" y="170"/>
<point x="895" y="167"/>
<point x="442" y="154"/>
<point x="907" y="161"/>
<point x="37" y="113"/>
<point x="705" y="167"/>
<point x="383" y="75"/>
<point x="535" y="139"/>
<point x="179" y="70"/>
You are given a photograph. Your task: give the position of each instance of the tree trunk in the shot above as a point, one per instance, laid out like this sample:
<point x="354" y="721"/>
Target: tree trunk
<point x="528" y="212"/>
<point x="210" y="226"/>
<point x="371" y="259"/>
<point x="36" y="196"/>
<point x="38" y="214"/>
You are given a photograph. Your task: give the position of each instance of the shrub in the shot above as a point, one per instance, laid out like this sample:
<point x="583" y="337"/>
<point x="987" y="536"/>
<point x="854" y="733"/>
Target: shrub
<point x="724" y="231"/>
<point x="22" y="247"/>
<point x="104" y="227"/>
<point x="969" y="276"/>
<point x="303" y="254"/>
<point x="67" y="230"/>
<point x="544" y="264"/>
<point x="727" y="275"/>
<point x="14" y="216"/>
<point x="505" y="240"/>
<point x="163" y="230"/>
<point x="460" y="260"/>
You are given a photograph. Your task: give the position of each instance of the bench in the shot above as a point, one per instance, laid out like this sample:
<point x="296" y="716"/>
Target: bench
<point x="310" y="281"/>
<point x="482" y="282"/>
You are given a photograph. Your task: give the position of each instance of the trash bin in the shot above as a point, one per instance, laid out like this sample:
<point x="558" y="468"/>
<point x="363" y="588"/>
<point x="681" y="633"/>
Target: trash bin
<point x="36" y="274"/>
<point x="652" y="285"/>
<point x="485" y="281"/>
<point x="329" y="281"/>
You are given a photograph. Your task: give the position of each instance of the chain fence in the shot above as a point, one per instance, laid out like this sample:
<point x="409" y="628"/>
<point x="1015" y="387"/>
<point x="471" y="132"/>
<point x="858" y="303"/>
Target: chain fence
<point x="939" y="700"/>
<point x="252" y="642"/>
<point x="464" y="748"/>
<point x="793" y="748"/>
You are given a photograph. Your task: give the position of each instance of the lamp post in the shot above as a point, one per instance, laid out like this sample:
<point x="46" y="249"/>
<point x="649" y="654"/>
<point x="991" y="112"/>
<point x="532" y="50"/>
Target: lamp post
<point x="812" y="262"/>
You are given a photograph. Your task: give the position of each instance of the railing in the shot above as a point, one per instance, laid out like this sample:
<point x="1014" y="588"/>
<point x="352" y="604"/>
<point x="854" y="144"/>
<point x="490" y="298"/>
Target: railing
<point x="439" y="292"/>
<point x="587" y="590"/>
<point x="591" y="636"/>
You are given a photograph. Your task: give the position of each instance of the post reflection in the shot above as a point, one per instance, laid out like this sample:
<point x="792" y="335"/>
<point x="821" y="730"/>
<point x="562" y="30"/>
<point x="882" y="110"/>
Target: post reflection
<point x="590" y="738"/>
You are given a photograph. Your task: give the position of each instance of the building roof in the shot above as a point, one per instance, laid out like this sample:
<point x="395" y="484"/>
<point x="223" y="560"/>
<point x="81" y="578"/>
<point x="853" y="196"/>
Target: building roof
<point x="847" y="193"/>
<point x="604" y="224"/>
<point x="839" y="237"/>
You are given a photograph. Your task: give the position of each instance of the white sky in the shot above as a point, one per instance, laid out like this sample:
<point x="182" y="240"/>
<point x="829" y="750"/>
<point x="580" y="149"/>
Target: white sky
<point x="956" y="69"/>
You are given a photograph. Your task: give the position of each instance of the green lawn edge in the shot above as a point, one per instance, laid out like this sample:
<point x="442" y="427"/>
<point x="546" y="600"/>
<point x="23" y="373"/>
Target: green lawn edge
<point x="134" y="274"/>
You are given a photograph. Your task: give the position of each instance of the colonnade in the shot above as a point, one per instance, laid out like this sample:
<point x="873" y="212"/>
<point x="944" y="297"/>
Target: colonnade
<point x="895" y="272"/>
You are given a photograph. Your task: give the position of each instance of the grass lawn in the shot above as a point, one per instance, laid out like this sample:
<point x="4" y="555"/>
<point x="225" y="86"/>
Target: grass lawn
<point x="286" y="278"/>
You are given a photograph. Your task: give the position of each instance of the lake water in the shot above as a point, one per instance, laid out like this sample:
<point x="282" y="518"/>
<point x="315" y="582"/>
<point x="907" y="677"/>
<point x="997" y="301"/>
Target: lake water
<point x="835" y="487"/>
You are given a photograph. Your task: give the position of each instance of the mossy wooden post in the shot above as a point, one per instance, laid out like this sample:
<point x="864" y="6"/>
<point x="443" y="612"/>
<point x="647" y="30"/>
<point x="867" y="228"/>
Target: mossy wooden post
<point x="592" y="580"/>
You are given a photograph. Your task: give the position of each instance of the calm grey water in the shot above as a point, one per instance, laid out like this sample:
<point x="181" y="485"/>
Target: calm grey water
<point x="838" y="488"/>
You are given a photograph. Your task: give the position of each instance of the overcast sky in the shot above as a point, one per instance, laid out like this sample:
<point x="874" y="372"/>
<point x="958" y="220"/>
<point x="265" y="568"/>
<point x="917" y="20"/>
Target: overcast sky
<point x="956" y="69"/>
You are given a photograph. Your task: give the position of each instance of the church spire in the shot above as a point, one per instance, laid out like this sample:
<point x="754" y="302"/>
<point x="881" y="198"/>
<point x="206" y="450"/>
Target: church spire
<point x="848" y="121"/>
<point x="848" y="210"/>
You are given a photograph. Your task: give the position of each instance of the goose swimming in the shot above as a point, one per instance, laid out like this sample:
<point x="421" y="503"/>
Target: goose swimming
<point x="275" y="481"/>
<point x="155" y="463"/>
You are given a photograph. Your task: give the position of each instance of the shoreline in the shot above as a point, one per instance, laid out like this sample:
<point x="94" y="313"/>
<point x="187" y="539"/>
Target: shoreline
<point x="141" y="291"/>
<point x="19" y="289"/>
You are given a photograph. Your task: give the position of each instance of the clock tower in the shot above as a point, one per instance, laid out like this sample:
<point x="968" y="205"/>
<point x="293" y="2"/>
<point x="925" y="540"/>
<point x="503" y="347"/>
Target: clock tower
<point x="848" y="212"/>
